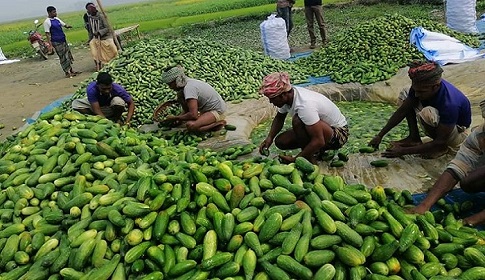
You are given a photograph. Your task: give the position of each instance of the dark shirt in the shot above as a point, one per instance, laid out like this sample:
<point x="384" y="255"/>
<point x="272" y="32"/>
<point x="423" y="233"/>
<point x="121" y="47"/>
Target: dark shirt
<point x="453" y="106"/>
<point x="105" y="100"/>
<point x="87" y="26"/>
<point x="313" y="2"/>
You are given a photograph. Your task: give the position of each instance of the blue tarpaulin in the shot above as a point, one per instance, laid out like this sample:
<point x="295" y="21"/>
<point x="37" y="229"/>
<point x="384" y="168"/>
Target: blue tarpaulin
<point x="458" y="196"/>
<point x="48" y="108"/>
<point x="311" y="80"/>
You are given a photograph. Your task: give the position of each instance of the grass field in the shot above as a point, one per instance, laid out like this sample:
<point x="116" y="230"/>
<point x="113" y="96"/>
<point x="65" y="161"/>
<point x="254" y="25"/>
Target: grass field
<point x="152" y="16"/>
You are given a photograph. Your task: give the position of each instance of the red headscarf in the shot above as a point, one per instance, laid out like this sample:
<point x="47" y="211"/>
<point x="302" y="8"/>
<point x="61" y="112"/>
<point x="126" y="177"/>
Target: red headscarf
<point x="275" y="84"/>
<point x="424" y="71"/>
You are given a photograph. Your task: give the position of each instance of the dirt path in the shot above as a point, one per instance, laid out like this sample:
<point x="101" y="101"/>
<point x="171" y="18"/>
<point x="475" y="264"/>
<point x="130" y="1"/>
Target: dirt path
<point x="31" y="84"/>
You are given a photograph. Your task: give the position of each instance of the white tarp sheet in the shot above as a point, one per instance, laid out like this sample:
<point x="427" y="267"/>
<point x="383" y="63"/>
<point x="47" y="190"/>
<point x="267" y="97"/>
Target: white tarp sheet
<point x="442" y="48"/>
<point x="4" y="60"/>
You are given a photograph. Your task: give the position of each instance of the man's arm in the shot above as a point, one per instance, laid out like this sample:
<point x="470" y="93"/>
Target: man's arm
<point x="276" y="126"/>
<point x="396" y="118"/>
<point x="104" y="24"/>
<point x="443" y="133"/>
<point x="47" y="30"/>
<point x="97" y="109"/>
<point x="131" y="111"/>
<point x="64" y="24"/>
<point x="317" y="140"/>
<point x="192" y="113"/>
<point x="441" y="187"/>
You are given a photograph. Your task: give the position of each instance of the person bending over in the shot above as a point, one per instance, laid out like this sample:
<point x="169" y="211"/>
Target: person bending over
<point x="440" y="108"/>
<point x="317" y="123"/>
<point x="203" y="107"/>
<point x="106" y="99"/>
<point x="468" y="169"/>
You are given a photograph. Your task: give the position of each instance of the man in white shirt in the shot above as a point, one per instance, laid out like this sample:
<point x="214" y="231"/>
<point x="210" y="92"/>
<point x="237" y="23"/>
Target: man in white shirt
<point x="317" y="123"/>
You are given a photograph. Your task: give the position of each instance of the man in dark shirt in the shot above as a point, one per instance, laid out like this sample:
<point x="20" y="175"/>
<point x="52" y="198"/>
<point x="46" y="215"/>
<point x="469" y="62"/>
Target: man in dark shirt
<point x="441" y="109"/>
<point x="86" y="22"/>
<point x="314" y="10"/>
<point x="106" y="99"/>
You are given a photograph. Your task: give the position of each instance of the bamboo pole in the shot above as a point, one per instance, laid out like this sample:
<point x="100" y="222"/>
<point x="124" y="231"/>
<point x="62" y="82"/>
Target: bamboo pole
<point x="115" y="38"/>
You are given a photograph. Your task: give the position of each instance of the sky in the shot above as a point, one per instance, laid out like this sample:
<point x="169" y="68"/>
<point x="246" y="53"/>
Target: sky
<point x="21" y="9"/>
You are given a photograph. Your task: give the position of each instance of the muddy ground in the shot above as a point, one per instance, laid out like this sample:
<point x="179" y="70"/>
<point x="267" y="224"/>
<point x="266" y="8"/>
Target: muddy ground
<point x="33" y="83"/>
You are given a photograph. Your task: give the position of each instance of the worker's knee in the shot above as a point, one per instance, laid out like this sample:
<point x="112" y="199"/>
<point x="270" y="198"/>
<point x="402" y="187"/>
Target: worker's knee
<point x="471" y="186"/>
<point x="118" y="108"/>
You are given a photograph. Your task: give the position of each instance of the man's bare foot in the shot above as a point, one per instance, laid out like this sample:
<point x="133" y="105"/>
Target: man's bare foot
<point x="475" y="219"/>
<point x="218" y="125"/>
<point x="407" y="142"/>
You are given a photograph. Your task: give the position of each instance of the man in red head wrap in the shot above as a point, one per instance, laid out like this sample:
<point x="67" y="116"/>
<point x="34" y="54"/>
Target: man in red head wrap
<point x="441" y="109"/>
<point x="317" y="123"/>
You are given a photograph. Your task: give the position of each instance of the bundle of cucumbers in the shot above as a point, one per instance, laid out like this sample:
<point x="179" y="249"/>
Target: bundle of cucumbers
<point x="83" y="198"/>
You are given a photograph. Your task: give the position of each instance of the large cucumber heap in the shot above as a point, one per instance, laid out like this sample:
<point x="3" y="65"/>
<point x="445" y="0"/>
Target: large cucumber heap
<point x="235" y="73"/>
<point x="82" y="198"/>
<point x="373" y="50"/>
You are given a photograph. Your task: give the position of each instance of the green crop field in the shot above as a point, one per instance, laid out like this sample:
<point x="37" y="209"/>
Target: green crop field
<point x="151" y="15"/>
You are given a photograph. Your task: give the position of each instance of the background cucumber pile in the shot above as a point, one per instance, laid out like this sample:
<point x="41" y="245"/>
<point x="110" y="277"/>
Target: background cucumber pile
<point x="373" y="50"/>
<point x="235" y="73"/>
<point x="82" y="198"/>
<point x="369" y="52"/>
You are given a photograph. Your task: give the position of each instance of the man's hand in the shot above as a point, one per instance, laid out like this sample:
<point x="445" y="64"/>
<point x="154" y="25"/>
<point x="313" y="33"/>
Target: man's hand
<point x="171" y="121"/>
<point x="263" y="148"/>
<point x="395" y="151"/>
<point x="374" y="143"/>
<point x="286" y="159"/>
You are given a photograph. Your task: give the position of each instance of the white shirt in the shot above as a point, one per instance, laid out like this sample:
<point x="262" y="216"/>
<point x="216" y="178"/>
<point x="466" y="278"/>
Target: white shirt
<point x="312" y="106"/>
<point x="47" y="24"/>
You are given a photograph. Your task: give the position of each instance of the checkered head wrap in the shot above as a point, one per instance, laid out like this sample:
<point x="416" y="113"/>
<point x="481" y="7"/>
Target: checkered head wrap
<point x="424" y="71"/>
<point x="175" y="74"/>
<point x="275" y="84"/>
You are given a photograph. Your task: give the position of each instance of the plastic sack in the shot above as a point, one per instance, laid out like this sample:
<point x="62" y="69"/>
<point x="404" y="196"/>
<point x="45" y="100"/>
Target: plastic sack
<point x="461" y="15"/>
<point x="273" y="36"/>
<point x="2" y="56"/>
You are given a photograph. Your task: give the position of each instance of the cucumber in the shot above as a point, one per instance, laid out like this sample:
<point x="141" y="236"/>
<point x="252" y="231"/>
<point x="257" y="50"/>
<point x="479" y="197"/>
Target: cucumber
<point x="379" y="163"/>
<point x="230" y="127"/>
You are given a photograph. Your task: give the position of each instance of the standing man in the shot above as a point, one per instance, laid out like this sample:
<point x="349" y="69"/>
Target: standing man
<point x="314" y="10"/>
<point x="468" y="169"/>
<point x="203" y="107"/>
<point x="56" y="37"/>
<point x="317" y="123"/>
<point x="102" y="45"/>
<point x="283" y="8"/>
<point x="442" y="110"/>
<point x="106" y="99"/>
<point x="86" y="22"/>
